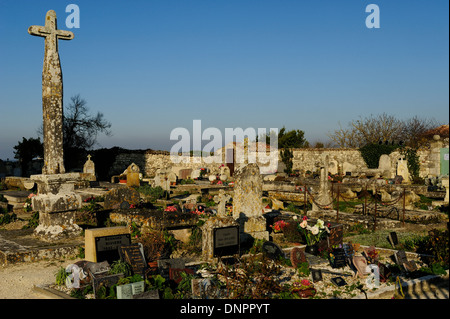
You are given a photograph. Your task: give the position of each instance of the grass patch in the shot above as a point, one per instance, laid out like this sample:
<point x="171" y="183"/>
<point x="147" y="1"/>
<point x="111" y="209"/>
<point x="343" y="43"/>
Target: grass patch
<point x="407" y="240"/>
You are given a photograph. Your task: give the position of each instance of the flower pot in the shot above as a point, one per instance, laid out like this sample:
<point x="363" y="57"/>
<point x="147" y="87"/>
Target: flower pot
<point x="307" y="293"/>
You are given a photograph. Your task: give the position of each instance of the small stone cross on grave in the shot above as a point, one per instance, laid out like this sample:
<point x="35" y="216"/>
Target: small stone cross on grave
<point x="52" y="93"/>
<point x="222" y="199"/>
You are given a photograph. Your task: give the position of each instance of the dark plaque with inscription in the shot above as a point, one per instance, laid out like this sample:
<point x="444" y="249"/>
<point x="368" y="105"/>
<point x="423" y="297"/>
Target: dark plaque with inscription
<point x="338" y="259"/>
<point x="336" y="235"/>
<point x="316" y="274"/>
<point x="107" y="247"/>
<point x="226" y="241"/>
<point x="132" y="255"/>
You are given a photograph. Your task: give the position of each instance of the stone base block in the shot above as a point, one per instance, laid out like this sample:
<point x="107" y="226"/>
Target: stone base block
<point x="58" y="183"/>
<point x="50" y="203"/>
<point x="55" y="226"/>
<point x="208" y="234"/>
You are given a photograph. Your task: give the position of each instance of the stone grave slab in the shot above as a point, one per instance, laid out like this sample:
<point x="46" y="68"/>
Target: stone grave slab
<point x="151" y="294"/>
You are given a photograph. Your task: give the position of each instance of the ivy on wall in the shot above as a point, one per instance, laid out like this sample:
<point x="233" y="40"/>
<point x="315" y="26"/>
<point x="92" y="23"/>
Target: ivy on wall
<point x="371" y="153"/>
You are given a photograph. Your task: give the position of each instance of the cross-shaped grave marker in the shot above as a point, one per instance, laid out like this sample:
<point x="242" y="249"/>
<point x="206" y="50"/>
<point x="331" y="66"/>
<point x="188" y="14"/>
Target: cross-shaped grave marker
<point x="52" y="93"/>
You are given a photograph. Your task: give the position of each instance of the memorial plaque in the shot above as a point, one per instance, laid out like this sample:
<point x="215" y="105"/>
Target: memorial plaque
<point x="385" y="273"/>
<point x="124" y="291"/>
<point x="393" y="239"/>
<point x="226" y="241"/>
<point x="297" y="257"/>
<point x="410" y="266"/>
<point x="132" y="254"/>
<point x="137" y="287"/>
<point x="338" y="259"/>
<point x="107" y="281"/>
<point x="107" y="247"/>
<point x="400" y="258"/>
<point x="336" y="235"/>
<point x="338" y="281"/>
<point x="272" y="250"/>
<point x="316" y="275"/>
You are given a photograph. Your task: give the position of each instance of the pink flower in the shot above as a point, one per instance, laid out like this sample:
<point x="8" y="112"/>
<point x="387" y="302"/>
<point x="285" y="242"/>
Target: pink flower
<point x="303" y="224"/>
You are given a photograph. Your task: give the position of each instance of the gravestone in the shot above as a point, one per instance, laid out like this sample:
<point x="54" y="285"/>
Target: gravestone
<point x="323" y="198"/>
<point x="272" y="250"/>
<point x="133" y="255"/>
<point x="116" y="196"/>
<point x="103" y="243"/>
<point x="385" y="166"/>
<point x="222" y="199"/>
<point x="52" y="94"/>
<point x="338" y="281"/>
<point x="403" y="262"/>
<point x="104" y="280"/>
<point x="208" y="234"/>
<point x="402" y="170"/>
<point x="56" y="200"/>
<point x="392" y="238"/>
<point x="360" y="264"/>
<point x="339" y="259"/>
<point x="316" y="275"/>
<point x="297" y="257"/>
<point x="133" y="173"/>
<point x="89" y="170"/>
<point x="247" y="202"/>
<point x="226" y="241"/>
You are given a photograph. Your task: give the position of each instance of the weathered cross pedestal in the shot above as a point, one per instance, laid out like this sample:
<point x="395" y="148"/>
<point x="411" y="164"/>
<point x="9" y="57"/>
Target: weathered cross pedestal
<point x="56" y="200"/>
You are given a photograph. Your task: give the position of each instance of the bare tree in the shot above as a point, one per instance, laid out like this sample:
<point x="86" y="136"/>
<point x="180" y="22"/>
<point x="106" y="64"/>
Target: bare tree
<point x="381" y="128"/>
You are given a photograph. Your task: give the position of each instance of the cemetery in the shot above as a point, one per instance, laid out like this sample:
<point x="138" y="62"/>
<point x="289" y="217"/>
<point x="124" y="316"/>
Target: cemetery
<point x="331" y="229"/>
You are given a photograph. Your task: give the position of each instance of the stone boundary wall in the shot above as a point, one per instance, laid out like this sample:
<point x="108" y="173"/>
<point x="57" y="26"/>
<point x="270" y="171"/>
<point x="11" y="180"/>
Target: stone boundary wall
<point x="305" y="159"/>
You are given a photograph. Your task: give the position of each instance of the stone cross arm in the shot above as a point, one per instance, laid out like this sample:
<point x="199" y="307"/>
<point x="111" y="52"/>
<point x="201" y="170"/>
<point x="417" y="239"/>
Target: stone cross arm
<point x="50" y="30"/>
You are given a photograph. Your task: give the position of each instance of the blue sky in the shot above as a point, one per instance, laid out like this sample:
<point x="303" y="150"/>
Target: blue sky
<point x="155" y="65"/>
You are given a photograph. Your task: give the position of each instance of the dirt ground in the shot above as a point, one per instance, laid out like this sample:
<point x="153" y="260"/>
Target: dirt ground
<point x="17" y="280"/>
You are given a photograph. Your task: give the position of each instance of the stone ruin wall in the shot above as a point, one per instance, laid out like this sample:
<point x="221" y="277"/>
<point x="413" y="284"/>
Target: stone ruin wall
<point x="304" y="159"/>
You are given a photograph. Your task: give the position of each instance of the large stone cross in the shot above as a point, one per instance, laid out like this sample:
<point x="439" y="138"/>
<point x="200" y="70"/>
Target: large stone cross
<point x="52" y="93"/>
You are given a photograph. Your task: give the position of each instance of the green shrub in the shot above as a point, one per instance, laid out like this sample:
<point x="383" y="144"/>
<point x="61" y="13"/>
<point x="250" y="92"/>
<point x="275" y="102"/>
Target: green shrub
<point x="371" y="153"/>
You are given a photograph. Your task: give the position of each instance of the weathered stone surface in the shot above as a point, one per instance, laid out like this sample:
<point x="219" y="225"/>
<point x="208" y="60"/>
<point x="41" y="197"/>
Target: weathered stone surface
<point x="116" y="196"/>
<point x="52" y="93"/>
<point x="89" y="170"/>
<point x="55" y="226"/>
<point x="247" y="199"/>
<point x="58" y="183"/>
<point x="50" y="203"/>
<point x="208" y="234"/>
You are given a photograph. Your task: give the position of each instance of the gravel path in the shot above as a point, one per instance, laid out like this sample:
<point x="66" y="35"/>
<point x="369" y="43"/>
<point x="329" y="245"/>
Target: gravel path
<point x="17" y="280"/>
